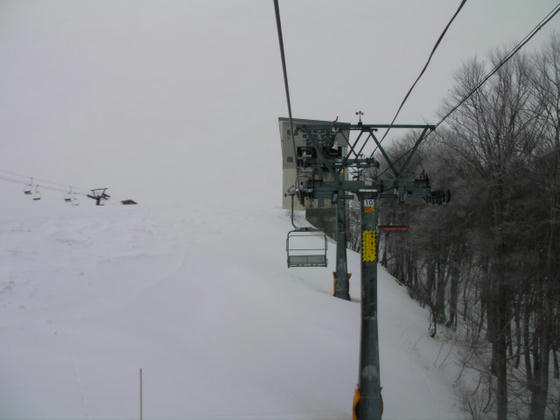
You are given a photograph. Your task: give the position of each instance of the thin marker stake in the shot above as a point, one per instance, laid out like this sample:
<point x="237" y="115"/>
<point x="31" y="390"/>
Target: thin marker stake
<point x="140" y="393"/>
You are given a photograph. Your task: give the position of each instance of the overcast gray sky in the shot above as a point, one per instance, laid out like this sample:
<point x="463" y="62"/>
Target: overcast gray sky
<point x="171" y="101"/>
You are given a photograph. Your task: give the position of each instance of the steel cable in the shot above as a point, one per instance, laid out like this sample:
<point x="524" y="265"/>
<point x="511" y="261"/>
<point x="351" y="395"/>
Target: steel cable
<point x="422" y="71"/>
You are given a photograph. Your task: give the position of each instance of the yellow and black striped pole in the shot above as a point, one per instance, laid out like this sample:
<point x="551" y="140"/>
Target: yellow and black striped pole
<point x="369" y="380"/>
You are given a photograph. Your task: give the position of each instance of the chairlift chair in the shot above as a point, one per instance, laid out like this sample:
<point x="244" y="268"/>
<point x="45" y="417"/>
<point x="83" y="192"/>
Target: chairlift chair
<point x="68" y="196"/>
<point x="37" y="194"/>
<point x="306" y="247"/>
<point x="28" y="188"/>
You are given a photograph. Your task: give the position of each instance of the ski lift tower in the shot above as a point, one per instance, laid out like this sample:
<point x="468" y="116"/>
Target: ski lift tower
<point x="326" y="213"/>
<point x="324" y="181"/>
<point x="99" y="194"/>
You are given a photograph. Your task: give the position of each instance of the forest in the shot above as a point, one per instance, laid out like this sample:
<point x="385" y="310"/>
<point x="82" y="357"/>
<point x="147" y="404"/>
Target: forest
<point x="487" y="263"/>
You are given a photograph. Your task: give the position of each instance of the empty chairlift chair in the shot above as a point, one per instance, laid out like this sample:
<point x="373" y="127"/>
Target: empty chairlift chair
<point x="68" y="196"/>
<point x="36" y="194"/>
<point x="28" y="190"/>
<point x="306" y="247"/>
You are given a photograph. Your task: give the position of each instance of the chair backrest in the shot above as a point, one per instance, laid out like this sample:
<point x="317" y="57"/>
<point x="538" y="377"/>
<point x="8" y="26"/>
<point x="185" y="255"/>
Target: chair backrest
<point x="306" y="248"/>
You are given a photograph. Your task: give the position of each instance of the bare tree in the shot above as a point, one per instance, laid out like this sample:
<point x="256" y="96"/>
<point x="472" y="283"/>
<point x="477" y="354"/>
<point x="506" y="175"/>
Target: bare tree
<point x="490" y="259"/>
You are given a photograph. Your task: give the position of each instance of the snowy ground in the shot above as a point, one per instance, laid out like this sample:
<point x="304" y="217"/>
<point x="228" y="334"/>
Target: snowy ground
<point x="202" y="301"/>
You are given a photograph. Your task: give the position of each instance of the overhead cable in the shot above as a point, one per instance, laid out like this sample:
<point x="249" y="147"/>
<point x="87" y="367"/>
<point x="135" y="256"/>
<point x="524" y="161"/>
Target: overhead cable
<point x="504" y="60"/>
<point x="42" y="181"/>
<point x="40" y="185"/>
<point x="508" y="56"/>
<point x="423" y="70"/>
<point x="285" y="71"/>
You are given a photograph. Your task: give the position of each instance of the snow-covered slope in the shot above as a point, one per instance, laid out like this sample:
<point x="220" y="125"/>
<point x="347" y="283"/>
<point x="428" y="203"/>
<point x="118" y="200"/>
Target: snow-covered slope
<point x="202" y="301"/>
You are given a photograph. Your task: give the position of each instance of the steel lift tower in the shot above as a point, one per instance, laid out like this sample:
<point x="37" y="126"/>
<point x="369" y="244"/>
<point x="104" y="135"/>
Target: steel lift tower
<point x="320" y="154"/>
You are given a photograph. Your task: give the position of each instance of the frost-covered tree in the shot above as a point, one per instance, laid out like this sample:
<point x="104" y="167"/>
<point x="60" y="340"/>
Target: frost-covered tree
<point x="490" y="259"/>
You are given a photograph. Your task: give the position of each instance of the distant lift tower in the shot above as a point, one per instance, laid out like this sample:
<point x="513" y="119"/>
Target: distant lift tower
<point x="326" y="213"/>
<point x="99" y="194"/>
<point x="325" y="166"/>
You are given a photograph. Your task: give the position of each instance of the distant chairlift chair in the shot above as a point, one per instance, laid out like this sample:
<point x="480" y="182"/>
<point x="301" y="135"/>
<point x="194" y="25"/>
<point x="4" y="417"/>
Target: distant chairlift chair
<point x="28" y="190"/>
<point x="36" y="194"/>
<point x="68" y="196"/>
<point x="306" y="247"/>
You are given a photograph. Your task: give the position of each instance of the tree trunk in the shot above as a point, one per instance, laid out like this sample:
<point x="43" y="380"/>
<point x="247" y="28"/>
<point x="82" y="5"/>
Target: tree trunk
<point x="500" y="359"/>
<point x="556" y="369"/>
<point x="440" y="292"/>
<point x="453" y="296"/>
<point x="519" y="344"/>
<point x="538" y="386"/>
<point x="430" y="282"/>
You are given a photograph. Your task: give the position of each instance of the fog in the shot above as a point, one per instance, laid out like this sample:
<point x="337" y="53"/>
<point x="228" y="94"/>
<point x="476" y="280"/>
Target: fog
<point x="169" y="102"/>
